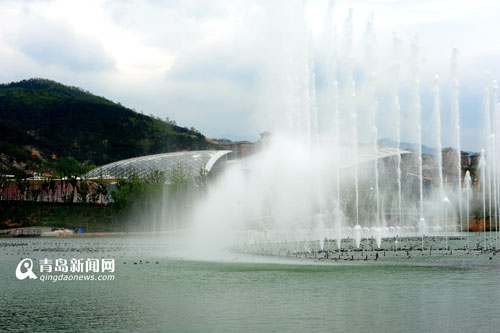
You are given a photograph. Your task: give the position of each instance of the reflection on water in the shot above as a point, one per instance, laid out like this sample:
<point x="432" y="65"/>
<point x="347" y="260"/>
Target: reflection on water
<point x="423" y="293"/>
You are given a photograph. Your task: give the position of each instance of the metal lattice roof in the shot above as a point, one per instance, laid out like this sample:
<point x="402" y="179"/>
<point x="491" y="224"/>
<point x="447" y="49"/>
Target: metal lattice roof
<point x="369" y="153"/>
<point x="191" y="162"/>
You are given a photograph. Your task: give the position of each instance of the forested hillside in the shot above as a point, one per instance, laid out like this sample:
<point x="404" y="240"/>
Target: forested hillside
<point x="42" y="119"/>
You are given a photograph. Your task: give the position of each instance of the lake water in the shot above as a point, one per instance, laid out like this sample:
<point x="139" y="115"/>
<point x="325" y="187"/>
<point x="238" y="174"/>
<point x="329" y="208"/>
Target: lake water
<point x="167" y="294"/>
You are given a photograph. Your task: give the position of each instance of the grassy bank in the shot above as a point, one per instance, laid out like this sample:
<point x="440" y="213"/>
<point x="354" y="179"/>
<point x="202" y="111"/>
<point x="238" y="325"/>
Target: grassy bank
<point x="90" y="217"/>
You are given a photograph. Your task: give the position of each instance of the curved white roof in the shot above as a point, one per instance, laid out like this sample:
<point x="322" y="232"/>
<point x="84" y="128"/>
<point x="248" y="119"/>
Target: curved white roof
<point x="191" y="161"/>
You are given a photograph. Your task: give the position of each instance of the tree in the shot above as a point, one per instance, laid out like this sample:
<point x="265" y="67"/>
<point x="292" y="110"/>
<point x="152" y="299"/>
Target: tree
<point x="4" y="183"/>
<point x="35" y="192"/>
<point x="134" y="191"/>
<point x="22" y="185"/>
<point x="127" y="191"/>
<point x="98" y="191"/>
<point x="83" y="190"/>
<point x="67" y="167"/>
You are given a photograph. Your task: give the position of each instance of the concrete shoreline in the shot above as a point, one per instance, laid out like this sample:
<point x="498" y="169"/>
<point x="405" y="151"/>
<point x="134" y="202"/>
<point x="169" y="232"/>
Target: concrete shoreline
<point x="35" y="232"/>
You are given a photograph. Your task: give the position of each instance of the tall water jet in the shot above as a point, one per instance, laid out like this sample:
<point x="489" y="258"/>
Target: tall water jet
<point x="496" y="155"/>
<point x="378" y="236"/>
<point x="302" y="112"/>
<point x="397" y="115"/>
<point x="357" y="231"/>
<point x="482" y="165"/>
<point x="397" y="109"/>
<point x="332" y="105"/>
<point x="417" y="109"/>
<point x="495" y="158"/>
<point x="491" y="185"/>
<point x="456" y="113"/>
<point x="372" y="104"/>
<point x="489" y="160"/>
<point x="320" y="222"/>
<point x="337" y="210"/>
<point x="486" y="170"/>
<point x="468" y="195"/>
<point x="375" y="165"/>
<point x="351" y="96"/>
<point x="354" y="117"/>
<point x="437" y="119"/>
<point x="307" y="104"/>
<point x="446" y="203"/>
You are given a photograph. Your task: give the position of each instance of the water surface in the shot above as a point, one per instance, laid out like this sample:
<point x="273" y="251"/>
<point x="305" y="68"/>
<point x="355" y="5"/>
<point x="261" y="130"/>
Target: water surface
<point x="438" y="293"/>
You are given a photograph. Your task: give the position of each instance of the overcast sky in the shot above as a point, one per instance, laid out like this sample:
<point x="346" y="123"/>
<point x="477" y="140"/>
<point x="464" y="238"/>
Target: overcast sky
<point x="213" y="64"/>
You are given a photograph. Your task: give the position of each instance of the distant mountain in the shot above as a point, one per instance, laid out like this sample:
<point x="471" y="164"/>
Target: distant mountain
<point x="387" y="142"/>
<point x="468" y="152"/>
<point x="40" y="118"/>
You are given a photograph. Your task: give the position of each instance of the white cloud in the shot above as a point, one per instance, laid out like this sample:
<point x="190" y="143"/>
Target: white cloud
<point x="56" y="43"/>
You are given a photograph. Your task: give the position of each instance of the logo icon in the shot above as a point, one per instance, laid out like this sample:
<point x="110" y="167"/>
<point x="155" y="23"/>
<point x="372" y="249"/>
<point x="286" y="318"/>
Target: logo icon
<point x="28" y="265"/>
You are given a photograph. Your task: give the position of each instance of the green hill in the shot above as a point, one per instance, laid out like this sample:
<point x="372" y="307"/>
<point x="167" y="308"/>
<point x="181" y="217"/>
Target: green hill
<point x="49" y="118"/>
